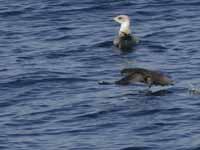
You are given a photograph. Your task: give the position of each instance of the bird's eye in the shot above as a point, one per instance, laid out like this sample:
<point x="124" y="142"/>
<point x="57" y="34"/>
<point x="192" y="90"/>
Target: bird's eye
<point x="120" y="18"/>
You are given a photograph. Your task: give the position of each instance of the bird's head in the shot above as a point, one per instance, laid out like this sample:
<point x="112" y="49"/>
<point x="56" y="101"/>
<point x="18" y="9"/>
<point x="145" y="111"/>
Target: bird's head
<point x="124" y="20"/>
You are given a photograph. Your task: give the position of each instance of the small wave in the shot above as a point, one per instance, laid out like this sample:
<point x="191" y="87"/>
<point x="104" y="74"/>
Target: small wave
<point x="2" y="70"/>
<point x="137" y="148"/>
<point x="65" y="37"/>
<point x="65" y="28"/>
<point x="103" y="44"/>
<point x="97" y="114"/>
<point x="26" y="81"/>
<point x="90" y="8"/>
<point x="56" y="55"/>
<point x="11" y="13"/>
<point x="155" y="111"/>
<point x="22" y="58"/>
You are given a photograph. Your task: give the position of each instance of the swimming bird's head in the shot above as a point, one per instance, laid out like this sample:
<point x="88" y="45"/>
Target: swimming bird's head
<point x="125" y="23"/>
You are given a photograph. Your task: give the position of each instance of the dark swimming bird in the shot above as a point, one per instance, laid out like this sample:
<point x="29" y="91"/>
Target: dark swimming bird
<point x="125" y="40"/>
<point x="149" y="77"/>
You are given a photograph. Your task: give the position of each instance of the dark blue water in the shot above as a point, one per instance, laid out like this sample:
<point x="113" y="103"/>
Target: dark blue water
<point x="54" y="53"/>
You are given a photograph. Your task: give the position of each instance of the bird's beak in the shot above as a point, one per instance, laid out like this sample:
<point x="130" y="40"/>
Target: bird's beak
<point x="115" y="19"/>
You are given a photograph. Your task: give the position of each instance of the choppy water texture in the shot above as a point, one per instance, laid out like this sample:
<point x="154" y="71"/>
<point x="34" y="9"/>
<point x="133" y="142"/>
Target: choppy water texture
<point x="54" y="53"/>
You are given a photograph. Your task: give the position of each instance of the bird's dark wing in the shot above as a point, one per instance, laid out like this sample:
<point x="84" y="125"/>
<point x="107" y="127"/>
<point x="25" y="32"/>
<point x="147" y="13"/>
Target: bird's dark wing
<point x="132" y="78"/>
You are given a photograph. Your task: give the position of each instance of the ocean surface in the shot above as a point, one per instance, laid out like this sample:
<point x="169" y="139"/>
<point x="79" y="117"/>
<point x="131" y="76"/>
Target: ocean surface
<point x="53" y="54"/>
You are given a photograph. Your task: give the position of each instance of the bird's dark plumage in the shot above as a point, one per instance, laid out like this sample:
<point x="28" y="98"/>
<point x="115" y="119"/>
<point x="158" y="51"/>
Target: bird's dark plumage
<point x="149" y="77"/>
<point x="125" y="42"/>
